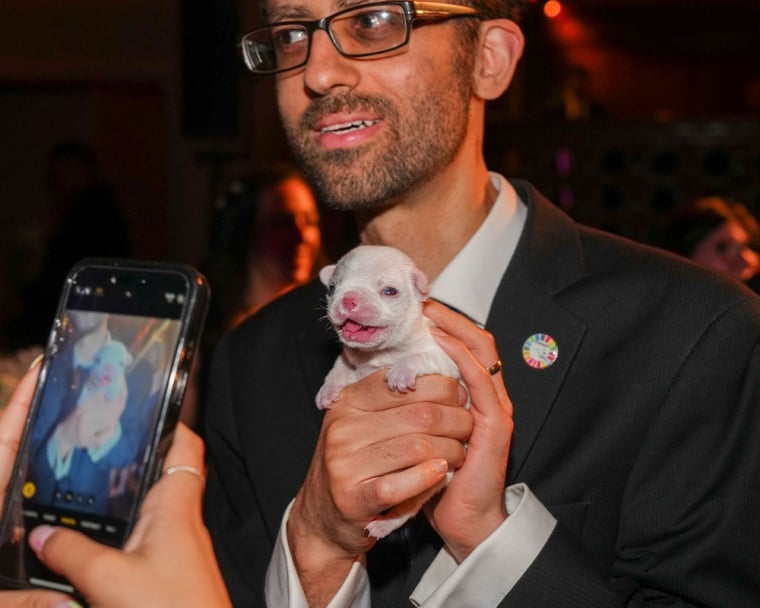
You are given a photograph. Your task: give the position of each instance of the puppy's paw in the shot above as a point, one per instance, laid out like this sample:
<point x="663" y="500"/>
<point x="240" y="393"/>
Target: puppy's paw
<point x="401" y="378"/>
<point x="327" y="395"/>
<point x="380" y="528"/>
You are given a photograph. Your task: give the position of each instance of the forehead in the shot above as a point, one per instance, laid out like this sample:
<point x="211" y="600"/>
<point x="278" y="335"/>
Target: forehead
<point x="277" y="10"/>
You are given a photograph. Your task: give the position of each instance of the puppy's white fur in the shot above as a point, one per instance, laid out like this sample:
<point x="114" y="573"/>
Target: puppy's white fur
<point x="374" y="302"/>
<point x="108" y="374"/>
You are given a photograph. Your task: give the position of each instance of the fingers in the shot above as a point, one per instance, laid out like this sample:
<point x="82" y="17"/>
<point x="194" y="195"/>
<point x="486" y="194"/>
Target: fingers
<point x="12" y="421"/>
<point x="14" y="414"/>
<point x="395" y="488"/>
<point x="34" y="599"/>
<point x="187" y="449"/>
<point x="477" y="340"/>
<point x="175" y="500"/>
<point x="372" y="393"/>
<point x="473" y="349"/>
<point x="84" y="562"/>
<point x="173" y="504"/>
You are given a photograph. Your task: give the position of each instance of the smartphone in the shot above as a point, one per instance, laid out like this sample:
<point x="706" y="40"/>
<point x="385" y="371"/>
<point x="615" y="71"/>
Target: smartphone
<point x="105" y="407"/>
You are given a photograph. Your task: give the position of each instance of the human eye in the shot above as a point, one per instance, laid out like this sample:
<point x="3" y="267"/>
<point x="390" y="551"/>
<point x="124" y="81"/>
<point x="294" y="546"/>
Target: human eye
<point x="289" y="39"/>
<point x="379" y="23"/>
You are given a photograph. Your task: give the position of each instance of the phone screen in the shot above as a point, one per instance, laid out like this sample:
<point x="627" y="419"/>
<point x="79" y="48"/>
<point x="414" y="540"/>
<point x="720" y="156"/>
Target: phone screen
<point x="111" y="358"/>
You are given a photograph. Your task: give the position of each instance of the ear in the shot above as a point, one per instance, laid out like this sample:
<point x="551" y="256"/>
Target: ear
<point x="420" y="284"/>
<point x="499" y="49"/>
<point x="326" y="273"/>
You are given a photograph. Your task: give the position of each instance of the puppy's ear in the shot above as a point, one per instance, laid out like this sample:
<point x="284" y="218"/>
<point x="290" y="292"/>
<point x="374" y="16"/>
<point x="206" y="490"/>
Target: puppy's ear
<point x="325" y="274"/>
<point x="420" y="282"/>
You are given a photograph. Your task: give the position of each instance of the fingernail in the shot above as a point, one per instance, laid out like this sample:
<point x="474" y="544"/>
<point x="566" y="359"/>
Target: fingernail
<point x="39" y="536"/>
<point x="67" y="604"/>
<point x="437" y="331"/>
<point x="464" y="396"/>
<point x="36" y="361"/>
<point x="440" y="465"/>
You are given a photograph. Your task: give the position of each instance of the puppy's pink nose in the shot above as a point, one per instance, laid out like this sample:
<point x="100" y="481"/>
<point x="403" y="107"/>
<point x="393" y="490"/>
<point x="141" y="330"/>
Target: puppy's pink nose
<point x="349" y="303"/>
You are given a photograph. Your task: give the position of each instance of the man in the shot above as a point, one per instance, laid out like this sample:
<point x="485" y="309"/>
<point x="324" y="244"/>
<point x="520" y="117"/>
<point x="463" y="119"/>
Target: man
<point x="633" y="378"/>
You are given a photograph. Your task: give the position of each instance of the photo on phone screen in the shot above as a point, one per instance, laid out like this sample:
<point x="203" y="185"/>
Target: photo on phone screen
<point x="108" y="394"/>
<point x="94" y="417"/>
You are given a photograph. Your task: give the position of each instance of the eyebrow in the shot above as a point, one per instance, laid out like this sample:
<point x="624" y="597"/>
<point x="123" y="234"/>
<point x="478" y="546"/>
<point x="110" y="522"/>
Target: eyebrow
<point x="287" y="13"/>
<point x="290" y="12"/>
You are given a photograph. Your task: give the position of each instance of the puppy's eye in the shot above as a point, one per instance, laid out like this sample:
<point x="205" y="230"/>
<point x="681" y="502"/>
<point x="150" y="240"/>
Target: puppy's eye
<point x="389" y="291"/>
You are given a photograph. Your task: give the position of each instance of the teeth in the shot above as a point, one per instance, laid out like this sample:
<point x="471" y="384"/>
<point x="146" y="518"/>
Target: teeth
<point x="349" y="126"/>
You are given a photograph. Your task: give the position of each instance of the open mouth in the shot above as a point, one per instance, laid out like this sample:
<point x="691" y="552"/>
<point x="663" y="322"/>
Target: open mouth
<point x="349" y="126"/>
<point x="351" y="331"/>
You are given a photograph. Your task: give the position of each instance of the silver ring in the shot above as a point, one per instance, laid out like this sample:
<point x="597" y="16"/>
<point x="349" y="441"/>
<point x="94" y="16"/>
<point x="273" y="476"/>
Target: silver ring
<point x="495" y="368"/>
<point x="185" y="468"/>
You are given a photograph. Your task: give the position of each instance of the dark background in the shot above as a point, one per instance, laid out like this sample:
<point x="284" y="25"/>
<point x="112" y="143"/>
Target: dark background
<point x="158" y="89"/>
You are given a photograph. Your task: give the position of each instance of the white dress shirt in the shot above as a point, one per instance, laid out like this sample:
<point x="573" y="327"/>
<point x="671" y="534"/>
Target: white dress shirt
<point x="468" y="284"/>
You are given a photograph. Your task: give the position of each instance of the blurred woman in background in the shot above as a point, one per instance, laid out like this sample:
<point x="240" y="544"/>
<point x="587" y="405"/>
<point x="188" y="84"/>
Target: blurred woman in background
<point x="717" y="232"/>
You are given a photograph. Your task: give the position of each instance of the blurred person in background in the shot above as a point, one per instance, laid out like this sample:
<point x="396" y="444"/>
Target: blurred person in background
<point x="717" y="232"/>
<point x="265" y="240"/>
<point x="84" y="219"/>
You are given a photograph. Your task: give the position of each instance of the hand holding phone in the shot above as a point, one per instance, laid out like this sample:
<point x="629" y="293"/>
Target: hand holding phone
<point x="170" y="561"/>
<point x="105" y="407"/>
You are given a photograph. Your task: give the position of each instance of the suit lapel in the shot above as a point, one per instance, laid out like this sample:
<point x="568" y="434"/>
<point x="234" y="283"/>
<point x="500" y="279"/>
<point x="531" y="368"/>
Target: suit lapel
<point x="547" y="261"/>
<point x="318" y="348"/>
<point x="313" y="351"/>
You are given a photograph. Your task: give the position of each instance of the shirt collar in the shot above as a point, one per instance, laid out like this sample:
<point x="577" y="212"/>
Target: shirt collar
<point x="469" y="282"/>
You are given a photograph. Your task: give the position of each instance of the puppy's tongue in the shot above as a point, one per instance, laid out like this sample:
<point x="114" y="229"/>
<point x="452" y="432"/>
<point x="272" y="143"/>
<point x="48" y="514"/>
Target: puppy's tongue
<point x="356" y="332"/>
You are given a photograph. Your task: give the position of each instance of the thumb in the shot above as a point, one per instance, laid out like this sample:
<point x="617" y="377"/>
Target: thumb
<point x="35" y="599"/>
<point x="71" y="554"/>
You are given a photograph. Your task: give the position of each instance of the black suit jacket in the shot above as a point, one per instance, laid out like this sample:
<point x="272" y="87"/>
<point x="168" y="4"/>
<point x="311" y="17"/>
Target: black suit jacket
<point x="643" y="438"/>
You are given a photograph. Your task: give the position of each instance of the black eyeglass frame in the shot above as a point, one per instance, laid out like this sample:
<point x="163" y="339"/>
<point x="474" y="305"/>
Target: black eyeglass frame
<point x="414" y="10"/>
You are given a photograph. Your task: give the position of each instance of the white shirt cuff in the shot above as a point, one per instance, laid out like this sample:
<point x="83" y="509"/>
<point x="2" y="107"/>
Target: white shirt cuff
<point x="487" y="575"/>
<point x="283" y="588"/>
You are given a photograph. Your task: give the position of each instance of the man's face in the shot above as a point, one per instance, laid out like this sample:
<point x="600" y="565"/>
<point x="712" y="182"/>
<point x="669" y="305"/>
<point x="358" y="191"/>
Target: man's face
<point x="367" y="130"/>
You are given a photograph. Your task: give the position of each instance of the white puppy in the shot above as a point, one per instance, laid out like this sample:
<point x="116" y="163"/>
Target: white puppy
<point x="108" y="374"/>
<point x="374" y="302"/>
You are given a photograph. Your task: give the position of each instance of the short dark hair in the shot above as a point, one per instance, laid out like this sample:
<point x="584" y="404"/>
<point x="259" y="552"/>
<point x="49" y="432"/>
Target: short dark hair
<point x="499" y="9"/>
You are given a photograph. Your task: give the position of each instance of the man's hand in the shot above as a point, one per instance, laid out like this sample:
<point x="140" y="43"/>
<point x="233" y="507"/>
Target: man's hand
<point x="472" y="506"/>
<point x="377" y="448"/>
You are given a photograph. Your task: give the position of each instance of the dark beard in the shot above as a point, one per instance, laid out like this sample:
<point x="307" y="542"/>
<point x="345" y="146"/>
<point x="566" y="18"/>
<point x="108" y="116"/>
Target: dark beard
<point x="370" y="177"/>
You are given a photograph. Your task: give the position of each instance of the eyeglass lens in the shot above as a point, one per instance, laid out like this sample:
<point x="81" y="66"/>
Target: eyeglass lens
<point x="355" y="32"/>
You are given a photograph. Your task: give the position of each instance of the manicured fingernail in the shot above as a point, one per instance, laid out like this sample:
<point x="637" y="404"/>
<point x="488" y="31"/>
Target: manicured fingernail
<point x="68" y="604"/>
<point x="39" y="536"/>
<point x="37" y="360"/>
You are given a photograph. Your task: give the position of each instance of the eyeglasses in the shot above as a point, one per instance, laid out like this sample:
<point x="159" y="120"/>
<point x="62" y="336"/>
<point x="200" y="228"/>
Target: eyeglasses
<point x="360" y="31"/>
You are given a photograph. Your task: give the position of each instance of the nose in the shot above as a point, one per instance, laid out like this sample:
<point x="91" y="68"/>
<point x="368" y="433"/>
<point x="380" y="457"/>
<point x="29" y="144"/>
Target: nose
<point x="349" y="303"/>
<point x="326" y="68"/>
